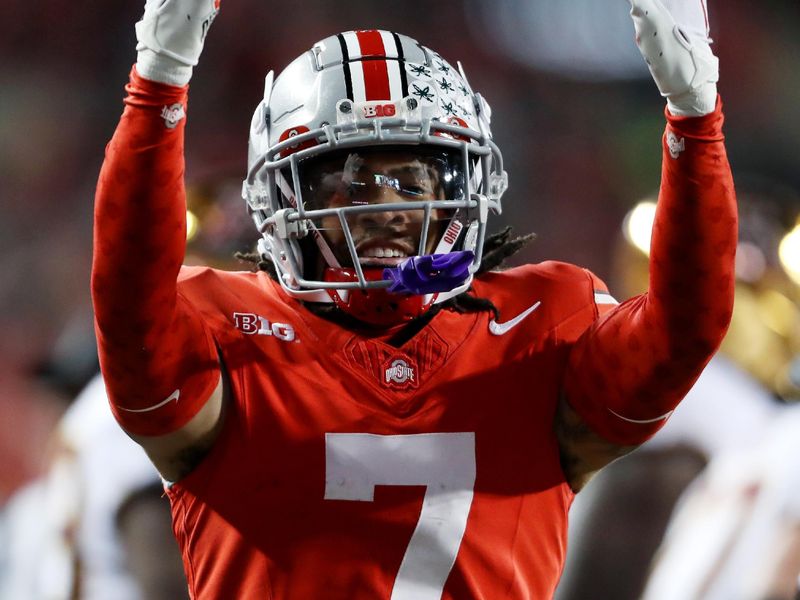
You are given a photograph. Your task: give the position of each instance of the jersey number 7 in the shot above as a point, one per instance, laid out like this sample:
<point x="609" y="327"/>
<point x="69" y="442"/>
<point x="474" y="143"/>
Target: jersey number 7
<point x="443" y="462"/>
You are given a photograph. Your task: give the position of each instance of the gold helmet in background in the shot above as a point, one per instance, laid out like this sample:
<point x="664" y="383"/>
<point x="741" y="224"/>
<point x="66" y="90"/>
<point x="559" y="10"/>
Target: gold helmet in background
<point x="764" y="335"/>
<point x="216" y="228"/>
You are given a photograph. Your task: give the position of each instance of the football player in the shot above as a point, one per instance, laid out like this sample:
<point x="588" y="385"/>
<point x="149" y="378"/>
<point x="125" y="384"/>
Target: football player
<point x="377" y="413"/>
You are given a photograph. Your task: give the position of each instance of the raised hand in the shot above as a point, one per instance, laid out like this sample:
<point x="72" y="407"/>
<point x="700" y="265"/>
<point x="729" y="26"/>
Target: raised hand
<point x="171" y="36"/>
<point x="672" y="36"/>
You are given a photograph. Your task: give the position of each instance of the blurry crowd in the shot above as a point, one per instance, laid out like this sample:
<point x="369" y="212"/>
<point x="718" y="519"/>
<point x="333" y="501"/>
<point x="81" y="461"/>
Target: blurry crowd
<point x="579" y="122"/>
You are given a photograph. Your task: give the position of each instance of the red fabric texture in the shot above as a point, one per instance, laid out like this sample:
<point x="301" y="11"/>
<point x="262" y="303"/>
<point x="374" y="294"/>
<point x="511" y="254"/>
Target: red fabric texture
<point x="150" y="340"/>
<point x="641" y="359"/>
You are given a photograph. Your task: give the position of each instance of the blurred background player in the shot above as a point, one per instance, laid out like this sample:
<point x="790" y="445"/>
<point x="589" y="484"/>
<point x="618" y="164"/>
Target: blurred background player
<point x="108" y="533"/>
<point x="735" y="533"/>
<point x="95" y="526"/>
<point x="728" y="420"/>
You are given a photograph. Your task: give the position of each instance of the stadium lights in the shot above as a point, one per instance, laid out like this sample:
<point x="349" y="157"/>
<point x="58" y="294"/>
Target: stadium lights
<point x="638" y="225"/>
<point x="192" y="225"/>
<point x="789" y="253"/>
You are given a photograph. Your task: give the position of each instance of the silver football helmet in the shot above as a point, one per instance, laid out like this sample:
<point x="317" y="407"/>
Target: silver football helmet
<point x="356" y="91"/>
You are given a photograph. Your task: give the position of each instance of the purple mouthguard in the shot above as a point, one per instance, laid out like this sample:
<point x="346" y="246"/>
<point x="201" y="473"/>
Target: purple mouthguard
<point x="430" y="273"/>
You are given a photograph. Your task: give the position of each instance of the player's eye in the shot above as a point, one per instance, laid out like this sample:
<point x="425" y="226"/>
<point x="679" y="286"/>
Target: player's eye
<point x="414" y="190"/>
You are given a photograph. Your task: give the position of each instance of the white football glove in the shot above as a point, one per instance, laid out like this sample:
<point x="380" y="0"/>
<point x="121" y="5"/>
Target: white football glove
<point x="672" y="36"/>
<point x="171" y="35"/>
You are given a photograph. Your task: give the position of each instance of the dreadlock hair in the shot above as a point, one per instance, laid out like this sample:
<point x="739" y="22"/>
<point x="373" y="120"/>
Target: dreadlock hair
<point x="497" y="248"/>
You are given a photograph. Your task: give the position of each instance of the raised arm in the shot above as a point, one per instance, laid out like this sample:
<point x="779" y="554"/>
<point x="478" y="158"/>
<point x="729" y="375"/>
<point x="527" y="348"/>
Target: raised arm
<point x="633" y="366"/>
<point x="158" y="359"/>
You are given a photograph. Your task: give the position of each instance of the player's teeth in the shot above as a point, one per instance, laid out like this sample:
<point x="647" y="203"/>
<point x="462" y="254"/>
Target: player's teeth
<point x="384" y="253"/>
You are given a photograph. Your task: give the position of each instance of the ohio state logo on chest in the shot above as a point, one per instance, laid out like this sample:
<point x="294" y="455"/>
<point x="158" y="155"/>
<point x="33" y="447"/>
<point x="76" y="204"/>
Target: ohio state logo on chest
<point x="400" y="373"/>
<point x="253" y="324"/>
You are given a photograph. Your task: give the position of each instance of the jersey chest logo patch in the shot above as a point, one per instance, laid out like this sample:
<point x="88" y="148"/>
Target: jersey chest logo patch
<point x="399" y="373"/>
<point x="253" y="324"/>
<point x="397" y="370"/>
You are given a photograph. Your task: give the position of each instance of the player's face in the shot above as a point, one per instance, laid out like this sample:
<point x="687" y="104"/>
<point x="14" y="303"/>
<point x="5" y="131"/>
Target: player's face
<point x="383" y="238"/>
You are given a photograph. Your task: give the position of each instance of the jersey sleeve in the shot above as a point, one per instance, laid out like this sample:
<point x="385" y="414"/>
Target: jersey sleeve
<point x="630" y="369"/>
<point x="158" y="357"/>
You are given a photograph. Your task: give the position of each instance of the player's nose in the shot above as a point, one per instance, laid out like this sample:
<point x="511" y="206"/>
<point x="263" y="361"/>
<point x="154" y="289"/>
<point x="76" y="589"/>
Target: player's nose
<point x="384" y="218"/>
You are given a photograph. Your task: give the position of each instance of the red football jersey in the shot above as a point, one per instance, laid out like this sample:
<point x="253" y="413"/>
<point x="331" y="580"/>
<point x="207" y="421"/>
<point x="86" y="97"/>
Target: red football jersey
<point x="348" y="468"/>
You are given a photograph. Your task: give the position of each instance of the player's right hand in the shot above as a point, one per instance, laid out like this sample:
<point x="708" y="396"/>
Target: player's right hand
<point x="171" y="36"/>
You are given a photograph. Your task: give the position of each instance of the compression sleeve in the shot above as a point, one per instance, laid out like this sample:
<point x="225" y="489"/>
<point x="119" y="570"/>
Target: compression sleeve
<point x="158" y="359"/>
<point x="633" y="366"/>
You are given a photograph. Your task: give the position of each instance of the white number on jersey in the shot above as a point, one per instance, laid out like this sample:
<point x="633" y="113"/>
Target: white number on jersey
<point x="443" y="462"/>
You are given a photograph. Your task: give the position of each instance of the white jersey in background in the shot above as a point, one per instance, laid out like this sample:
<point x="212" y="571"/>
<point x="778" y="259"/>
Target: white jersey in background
<point x="726" y="410"/>
<point x="96" y="470"/>
<point x="735" y="535"/>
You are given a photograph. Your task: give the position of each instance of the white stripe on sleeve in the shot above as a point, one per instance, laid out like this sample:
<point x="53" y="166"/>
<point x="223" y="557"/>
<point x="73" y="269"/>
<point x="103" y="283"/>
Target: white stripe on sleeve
<point x="604" y="298"/>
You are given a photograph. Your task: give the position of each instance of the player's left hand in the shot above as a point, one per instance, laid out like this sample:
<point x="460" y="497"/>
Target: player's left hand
<point x="673" y="37"/>
<point x="170" y="38"/>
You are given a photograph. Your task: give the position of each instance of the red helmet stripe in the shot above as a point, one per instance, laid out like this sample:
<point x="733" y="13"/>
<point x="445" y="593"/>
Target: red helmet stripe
<point x="376" y="79"/>
<point x="371" y="43"/>
<point x="376" y="72"/>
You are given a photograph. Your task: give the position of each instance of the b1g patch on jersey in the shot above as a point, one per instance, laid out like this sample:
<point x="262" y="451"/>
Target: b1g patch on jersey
<point x="253" y="324"/>
<point x="400" y="373"/>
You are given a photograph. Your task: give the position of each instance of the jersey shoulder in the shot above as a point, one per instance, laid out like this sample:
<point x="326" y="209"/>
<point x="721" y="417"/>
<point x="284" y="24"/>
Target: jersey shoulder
<point x="563" y="289"/>
<point x="212" y="289"/>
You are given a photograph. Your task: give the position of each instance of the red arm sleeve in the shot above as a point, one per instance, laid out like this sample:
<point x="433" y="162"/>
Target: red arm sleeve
<point x="158" y="359"/>
<point x="633" y="366"/>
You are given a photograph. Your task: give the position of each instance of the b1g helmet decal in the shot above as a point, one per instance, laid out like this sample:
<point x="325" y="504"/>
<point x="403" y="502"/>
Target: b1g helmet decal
<point x="361" y="90"/>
